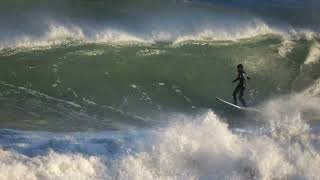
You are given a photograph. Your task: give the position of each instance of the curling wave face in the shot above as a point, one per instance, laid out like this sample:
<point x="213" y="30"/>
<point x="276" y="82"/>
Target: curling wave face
<point x="114" y="85"/>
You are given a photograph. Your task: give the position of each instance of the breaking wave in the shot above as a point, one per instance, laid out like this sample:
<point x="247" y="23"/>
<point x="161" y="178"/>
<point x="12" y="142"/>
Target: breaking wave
<point x="191" y="147"/>
<point x="59" y="34"/>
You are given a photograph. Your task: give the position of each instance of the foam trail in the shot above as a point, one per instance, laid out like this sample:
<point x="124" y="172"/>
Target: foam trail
<point x="36" y="93"/>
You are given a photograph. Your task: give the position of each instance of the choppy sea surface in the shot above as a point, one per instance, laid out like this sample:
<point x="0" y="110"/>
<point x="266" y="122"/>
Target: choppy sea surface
<point x="126" y="89"/>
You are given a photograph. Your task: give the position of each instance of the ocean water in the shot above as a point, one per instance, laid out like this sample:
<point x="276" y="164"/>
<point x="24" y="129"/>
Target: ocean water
<point x="126" y="89"/>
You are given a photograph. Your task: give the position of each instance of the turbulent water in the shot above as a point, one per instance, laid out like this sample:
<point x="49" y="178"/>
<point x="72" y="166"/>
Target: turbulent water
<point x="126" y="89"/>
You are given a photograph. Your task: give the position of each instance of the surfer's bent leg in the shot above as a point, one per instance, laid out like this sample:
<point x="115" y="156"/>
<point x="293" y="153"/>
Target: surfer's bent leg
<point x="235" y="92"/>
<point x="241" y="96"/>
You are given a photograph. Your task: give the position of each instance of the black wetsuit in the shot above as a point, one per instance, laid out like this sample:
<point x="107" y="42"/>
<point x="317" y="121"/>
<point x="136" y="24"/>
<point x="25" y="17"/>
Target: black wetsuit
<point x="240" y="88"/>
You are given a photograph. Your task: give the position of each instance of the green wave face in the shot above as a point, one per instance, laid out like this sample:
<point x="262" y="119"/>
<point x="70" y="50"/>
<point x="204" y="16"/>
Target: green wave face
<point x="76" y="87"/>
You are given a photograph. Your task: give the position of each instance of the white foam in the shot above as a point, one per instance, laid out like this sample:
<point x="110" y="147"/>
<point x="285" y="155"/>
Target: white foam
<point x="208" y="150"/>
<point x="117" y="36"/>
<point x="204" y="147"/>
<point x="194" y="148"/>
<point x="57" y="34"/>
<point x="150" y="52"/>
<point x="191" y="147"/>
<point x="60" y="33"/>
<point x="52" y="166"/>
<point x="229" y="32"/>
<point x="314" y="54"/>
<point x="286" y="47"/>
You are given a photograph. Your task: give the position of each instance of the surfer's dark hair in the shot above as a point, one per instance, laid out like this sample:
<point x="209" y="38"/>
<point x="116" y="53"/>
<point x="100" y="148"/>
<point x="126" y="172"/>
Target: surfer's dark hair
<point x="240" y="66"/>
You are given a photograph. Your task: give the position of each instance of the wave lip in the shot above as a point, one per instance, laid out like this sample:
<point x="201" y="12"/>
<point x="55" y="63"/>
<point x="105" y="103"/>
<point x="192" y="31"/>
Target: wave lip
<point x="61" y="34"/>
<point x="230" y="32"/>
<point x="57" y="34"/>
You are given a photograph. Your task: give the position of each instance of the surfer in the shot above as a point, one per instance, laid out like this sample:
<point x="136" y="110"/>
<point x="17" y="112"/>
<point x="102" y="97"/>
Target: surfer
<point x="241" y="86"/>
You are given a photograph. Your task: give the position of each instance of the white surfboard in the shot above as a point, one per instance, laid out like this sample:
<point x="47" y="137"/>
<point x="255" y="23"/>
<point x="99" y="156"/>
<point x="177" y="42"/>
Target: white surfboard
<point x="236" y="106"/>
<point x="233" y="105"/>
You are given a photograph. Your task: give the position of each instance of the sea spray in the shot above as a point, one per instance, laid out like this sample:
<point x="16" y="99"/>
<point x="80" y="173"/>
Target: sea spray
<point x="201" y="147"/>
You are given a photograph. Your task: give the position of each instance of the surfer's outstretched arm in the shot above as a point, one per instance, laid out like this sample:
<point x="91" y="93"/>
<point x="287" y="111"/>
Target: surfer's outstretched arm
<point x="236" y="79"/>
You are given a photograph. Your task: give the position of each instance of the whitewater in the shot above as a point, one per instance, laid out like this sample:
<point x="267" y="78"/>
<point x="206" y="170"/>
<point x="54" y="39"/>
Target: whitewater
<point x="126" y="89"/>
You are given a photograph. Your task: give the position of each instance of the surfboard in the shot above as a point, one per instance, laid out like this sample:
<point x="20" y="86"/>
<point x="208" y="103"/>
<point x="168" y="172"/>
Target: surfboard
<point x="236" y="106"/>
<point x="229" y="103"/>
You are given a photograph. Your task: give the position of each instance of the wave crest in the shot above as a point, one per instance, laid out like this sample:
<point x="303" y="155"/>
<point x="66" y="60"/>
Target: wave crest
<point x="57" y="34"/>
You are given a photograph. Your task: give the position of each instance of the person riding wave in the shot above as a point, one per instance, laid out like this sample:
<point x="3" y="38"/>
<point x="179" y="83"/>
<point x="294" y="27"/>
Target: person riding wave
<point x="241" y="86"/>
